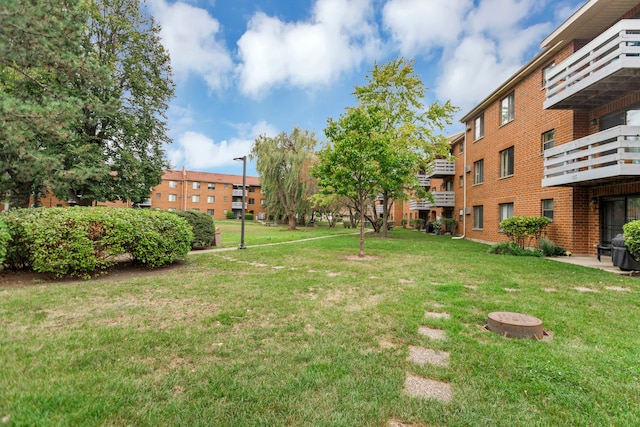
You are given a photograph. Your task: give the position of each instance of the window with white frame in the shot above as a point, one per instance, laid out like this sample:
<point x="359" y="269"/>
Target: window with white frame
<point x="461" y="181"/>
<point x="173" y="197"/>
<point x="196" y="185"/>
<point x="545" y="73"/>
<point x="158" y="195"/>
<point x="478" y="172"/>
<point x="507" y="109"/>
<point x="547" y="208"/>
<point x="211" y="199"/>
<point x="506" y="162"/>
<point x="548" y="139"/>
<point x="461" y="147"/>
<point x="211" y="186"/>
<point x="506" y="210"/>
<point x="251" y="201"/>
<point x="478" y="217"/>
<point x="210" y="212"/>
<point x="173" y="184"/>
<point x="171" y="209"/>
<point x="263" y="202"/>
<point x="478" y="127"/>
<point x="195" y="198"/>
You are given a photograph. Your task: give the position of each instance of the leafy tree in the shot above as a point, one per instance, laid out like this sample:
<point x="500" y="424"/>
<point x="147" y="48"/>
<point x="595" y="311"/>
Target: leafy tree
<point x="283" y="164"/>
<point x="350" y="164"/>
<point x="45" y="82"/>
<point x="84" y="90"/>
<point x="412" y="129"/>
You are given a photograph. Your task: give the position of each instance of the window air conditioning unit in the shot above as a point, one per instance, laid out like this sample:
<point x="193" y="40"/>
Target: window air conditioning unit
<point x="467" y="211"/>
<point x="467" y="168"/>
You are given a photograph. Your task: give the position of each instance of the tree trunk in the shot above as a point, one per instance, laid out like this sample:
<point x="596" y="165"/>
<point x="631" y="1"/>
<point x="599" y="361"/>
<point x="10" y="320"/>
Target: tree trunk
<point x="361" y="253"/>
<point x="292" y="221"/>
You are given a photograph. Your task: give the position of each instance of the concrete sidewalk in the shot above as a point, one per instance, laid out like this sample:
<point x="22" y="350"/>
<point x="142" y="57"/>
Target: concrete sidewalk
<point x="591" y="261"/>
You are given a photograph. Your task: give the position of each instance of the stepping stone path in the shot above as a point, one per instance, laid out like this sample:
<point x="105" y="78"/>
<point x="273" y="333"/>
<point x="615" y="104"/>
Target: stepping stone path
<point x="423" y="356"/>
<point x="434" y="334"/>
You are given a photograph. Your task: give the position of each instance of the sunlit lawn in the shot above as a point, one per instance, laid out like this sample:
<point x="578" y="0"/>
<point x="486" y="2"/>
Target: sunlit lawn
<point x="304" y="335"/>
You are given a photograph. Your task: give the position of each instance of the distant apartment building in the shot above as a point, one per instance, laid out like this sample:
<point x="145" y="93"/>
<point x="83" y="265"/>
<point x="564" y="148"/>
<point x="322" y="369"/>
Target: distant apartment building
<point x="212" y="193"/>
<point x="561" y="137"/>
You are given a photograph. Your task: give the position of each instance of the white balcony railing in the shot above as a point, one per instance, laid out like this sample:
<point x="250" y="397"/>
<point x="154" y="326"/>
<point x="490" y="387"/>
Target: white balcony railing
<point x="237" y="205"/>
<point x="613" y="153"/>
<point x="575" y="81"/>
<point x="238" y="192"/>
<point x="379" y="209"/>
<point x="424" y="180"/>
<point x="442" y="199"/>
<point x="145" y="202"/>
<point x="441" y="168"/>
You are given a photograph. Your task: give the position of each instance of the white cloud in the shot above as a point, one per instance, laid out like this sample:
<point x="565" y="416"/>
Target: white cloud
<point x="189" y="34"/>
<point x="338" y="38"/>
<point x="197" y="151"/>
<point x="419" y="25"/>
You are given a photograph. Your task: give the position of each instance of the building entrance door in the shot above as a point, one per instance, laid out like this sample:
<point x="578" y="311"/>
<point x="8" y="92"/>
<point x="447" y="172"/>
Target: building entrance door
<point x="613" y="216"/>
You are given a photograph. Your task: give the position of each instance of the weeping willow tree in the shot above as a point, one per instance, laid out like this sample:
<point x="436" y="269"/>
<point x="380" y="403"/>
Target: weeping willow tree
<point x="283" y="163"/>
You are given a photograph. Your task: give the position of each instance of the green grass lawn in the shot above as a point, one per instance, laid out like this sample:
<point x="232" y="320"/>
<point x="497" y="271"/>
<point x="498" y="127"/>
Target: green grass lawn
<point x="304" y="335"/>
<point x="258" y="234"/>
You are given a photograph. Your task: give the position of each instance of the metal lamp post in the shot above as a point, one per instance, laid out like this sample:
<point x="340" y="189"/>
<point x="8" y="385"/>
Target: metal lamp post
<point x="244" y="196"/>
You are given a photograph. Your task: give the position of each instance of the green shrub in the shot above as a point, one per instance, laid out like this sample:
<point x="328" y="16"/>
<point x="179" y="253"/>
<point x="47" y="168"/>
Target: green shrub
<point x="230" y="215"/>
<point x="632" y="237"/>
<point x="548" y="248"/>
<point x="522" y="229"/>
<point x="248" y="217"/>
<point x="202" y="225"/>
<point x="510" y="248"/>
<point x="4" y="240"/>
<point x="82" y="241"/>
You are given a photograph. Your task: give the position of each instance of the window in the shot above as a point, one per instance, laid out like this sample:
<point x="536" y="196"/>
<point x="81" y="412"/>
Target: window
<point x="263" y="202"/>
<point x="196" y="185"/>
<point x="173" y="184"/>
<point x="173" y="197"/>
<point x="461" y="181"/>
<point x="478" y="217"/>
<point x="547" y="208"/>
<point x="506" y="162"/>
<point x="448" y="185"/>
<point x="545" y="74"/>
<point x="226" y="186"/>
<point x="548" y="139"/>
<point x="506" y="210"/>
<point x="195" y="199"/>
<point x="507" y="109"/>
<point x="461" y="148"/>
<point x="251" y="201"/>
<point x="211" y="199"/>
<point x="158" y="195"/>
<point x="211" y="186"/>
<point x="252" y="189"/>
<point x="210" y="212"/>
<point x="478" y="126"/>
<point x="195" y="210"/>
<point x="478" y="172"/>
<point x="171" y="209"/>
<point x="226" y="199"/>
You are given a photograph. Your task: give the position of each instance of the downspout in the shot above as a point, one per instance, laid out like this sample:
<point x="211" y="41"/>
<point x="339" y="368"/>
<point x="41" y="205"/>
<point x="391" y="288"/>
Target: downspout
<point x="464" y="189"/>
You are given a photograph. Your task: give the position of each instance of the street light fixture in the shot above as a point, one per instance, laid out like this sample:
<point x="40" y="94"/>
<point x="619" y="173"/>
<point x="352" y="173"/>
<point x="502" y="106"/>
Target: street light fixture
<point x="244" y="196"/>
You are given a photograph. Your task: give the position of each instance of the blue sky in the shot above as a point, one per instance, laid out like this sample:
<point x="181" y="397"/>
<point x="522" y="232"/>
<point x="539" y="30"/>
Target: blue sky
<point x="243" y="68"/>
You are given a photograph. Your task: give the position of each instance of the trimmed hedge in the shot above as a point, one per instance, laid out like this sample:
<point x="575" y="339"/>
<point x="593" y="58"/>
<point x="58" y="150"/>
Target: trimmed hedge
<point x="204" y="230"/>
<point x="81" y="241"/>
<point x="522" y="229"/>
<point x="632" y="237"/>
<point x="5" y="237"/>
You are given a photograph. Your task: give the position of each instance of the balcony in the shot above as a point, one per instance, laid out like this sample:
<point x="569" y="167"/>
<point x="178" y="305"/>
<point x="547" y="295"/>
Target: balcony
<point x="441" y="168"/>
<point x="606" y="68"/>
<point x="379" y="209"/>
<point x="607" y="156"/>
<point x="441" y="199"/>
<point x="424" y="180"/>
<point x="238" y="205"/>
<point x="238" y="192"/>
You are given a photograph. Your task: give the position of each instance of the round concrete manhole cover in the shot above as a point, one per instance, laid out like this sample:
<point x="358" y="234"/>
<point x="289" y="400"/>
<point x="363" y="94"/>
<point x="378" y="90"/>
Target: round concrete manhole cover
<point x="515" y="325"/>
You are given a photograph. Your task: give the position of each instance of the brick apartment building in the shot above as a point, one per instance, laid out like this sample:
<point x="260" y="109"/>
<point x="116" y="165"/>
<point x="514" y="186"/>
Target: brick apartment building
<point x="212" y="193"/>
<point x="561" y="137"/>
